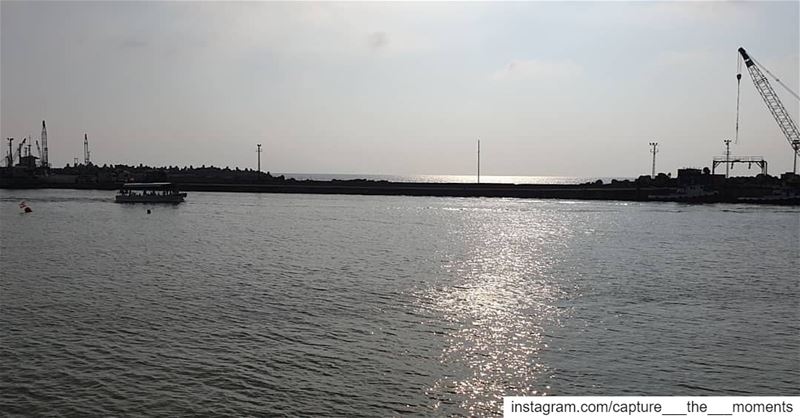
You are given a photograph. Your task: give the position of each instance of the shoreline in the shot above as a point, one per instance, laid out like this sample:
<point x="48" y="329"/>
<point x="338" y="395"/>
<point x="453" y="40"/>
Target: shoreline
<point x="689" y="186"/>
<point x="619" y="192"/>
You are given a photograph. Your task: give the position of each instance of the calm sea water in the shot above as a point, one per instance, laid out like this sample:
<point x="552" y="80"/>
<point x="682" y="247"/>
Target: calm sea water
<point x="254" y="304"/>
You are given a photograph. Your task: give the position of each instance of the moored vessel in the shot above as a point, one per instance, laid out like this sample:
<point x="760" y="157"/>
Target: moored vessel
<point x="149" y="193"/>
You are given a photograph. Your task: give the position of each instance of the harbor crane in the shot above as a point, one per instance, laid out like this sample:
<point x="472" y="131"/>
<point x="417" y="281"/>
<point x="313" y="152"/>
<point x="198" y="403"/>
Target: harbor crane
<point x="19" y="149"/>
<point x="10" y="159"/>
<point x="773" y="102"/>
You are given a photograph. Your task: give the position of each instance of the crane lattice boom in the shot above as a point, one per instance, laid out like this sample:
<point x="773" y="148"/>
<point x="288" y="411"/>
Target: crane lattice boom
<point x="773" y="103"/>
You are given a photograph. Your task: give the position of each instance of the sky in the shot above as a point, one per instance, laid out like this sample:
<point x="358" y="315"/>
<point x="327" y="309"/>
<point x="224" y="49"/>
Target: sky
<point x="549" y="88"/>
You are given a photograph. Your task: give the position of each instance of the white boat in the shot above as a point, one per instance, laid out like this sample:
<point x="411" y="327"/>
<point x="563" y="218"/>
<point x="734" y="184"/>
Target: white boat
<point x="149" y="193"/>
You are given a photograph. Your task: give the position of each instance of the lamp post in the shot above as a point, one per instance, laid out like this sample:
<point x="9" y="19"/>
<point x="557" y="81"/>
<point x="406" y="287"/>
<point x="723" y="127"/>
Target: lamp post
<point x="727" y="157"/>
<point x="654" y="151"/>
<point x="259" y="157"/>
<point x="479" y="161"/>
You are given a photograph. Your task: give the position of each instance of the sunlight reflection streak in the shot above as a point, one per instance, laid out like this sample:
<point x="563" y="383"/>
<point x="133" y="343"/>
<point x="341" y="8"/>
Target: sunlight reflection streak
<point x="502" y="300"/>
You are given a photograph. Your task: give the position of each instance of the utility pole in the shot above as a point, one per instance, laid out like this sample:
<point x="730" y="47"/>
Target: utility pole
<point x="479" y="161"/>
<point x="727" y="157"/>
<point x="259" y="157"/>
<point x="654" y="151"/>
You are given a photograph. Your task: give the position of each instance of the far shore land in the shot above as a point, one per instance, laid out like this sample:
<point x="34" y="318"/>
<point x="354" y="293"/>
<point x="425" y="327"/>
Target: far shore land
<point x="690" y="185"/>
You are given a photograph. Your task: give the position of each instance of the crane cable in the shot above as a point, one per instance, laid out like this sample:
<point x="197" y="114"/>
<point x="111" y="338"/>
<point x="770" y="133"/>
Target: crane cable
<point x="739" y="83"/>
<point x="776" y="79"/>
<point x="738" y="90"/>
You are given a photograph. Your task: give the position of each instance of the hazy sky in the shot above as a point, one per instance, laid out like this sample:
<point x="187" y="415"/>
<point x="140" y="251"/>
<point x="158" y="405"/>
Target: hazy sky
<point x="550" y="88"/>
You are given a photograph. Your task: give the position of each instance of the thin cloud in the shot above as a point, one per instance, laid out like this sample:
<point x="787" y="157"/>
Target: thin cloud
<point x="133" y="43"/>
<point x="537" y="69"/>
<point x="377" y="40"/>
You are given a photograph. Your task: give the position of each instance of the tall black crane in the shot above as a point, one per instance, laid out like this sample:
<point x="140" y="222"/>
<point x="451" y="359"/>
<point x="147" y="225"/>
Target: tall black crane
<point x="10" y="160"/>
<point x="19" y="149"/>
<point x="773" y="102"/>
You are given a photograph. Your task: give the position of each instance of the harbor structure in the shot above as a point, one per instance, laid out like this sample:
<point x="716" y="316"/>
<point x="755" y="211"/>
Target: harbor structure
<point x="729" y="160"/>
<point x="19" y="151"/>
<point x="26" y="160"/>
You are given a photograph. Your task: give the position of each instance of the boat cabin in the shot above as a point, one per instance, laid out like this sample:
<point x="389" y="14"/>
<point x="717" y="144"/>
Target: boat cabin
<point x="149" y="193"/>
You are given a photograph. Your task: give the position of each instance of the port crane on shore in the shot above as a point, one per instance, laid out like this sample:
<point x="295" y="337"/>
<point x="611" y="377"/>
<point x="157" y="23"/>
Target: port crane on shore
<point x="19" y="150"/>
<point x="773" y="102"/>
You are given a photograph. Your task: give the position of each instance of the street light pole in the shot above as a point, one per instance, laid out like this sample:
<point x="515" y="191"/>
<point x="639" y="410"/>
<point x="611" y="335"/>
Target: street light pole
<point x="479" y="161"/>
<point x="727" y="157"/>
<point x="654" y="151"/>
<point x="259" y="157"/>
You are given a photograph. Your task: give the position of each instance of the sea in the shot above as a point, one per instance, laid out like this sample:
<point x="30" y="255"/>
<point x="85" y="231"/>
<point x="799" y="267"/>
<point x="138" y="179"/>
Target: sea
<point x="240" y="304"/>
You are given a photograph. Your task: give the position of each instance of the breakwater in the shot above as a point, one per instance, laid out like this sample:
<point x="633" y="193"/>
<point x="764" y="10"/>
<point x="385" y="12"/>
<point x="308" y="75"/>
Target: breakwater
<point x="691" y="185"/>
<point x="626" y="191"/>
<point x="542" y="191"/>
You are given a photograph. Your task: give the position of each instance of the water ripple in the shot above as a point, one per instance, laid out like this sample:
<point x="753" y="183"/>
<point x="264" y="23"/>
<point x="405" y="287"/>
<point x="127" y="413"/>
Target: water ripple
<point x="239" y="304"/>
